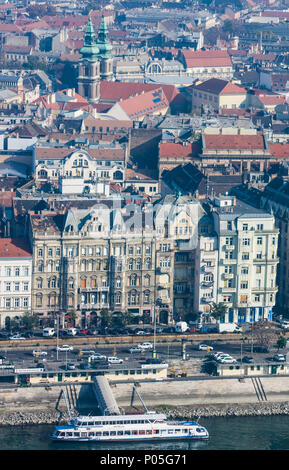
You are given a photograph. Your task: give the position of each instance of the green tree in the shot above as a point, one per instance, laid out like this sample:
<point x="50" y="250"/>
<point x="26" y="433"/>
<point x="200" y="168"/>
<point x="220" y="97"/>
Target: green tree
<point x="218" y="310"/>
<point x="281" y="343"/>
<point x="30" y="320"/>
<point x="105" y="319"/>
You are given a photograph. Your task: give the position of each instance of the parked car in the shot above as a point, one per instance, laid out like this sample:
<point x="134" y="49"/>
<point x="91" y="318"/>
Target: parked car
<point x="84" y="332"/>
<point x="87" y="351"/>
<point x="141" y="332"/>
<point x="64" y="347"/>
<point x="279" y="358"/>
<point x="248" y="359"/>
<point x="39" y="353"/>
<point x="205" y="347"/>
<point x="17" y="337"/>
<point x="97" y="357"/>
<point x="114" y="360"/>
<point x="85" y="366"/>
<point x="220" y="356"/>
<point x="71" y="366"/>
<point x="192" y="329"/>
<point x="4" y="334"/>
<point x="227" y="360"/>
<point x="145" y="345"/>
<point x="135" y="349"/>
<point x="100" y="365"/>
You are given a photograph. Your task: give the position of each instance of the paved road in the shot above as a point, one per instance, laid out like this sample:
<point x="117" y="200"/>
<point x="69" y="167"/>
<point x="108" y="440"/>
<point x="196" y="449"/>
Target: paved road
<point x="167" y="352"/>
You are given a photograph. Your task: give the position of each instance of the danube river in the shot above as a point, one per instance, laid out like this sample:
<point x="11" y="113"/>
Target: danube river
<point x="234" y="433"/>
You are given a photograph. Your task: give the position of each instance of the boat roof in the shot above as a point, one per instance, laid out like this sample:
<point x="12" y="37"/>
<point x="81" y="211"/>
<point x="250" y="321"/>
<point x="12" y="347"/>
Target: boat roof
<point x="122" y="417"/>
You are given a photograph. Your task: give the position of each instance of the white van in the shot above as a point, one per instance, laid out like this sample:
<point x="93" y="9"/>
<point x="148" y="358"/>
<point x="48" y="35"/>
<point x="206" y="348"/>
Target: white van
<point x="48" y="332"/>
<point x="71" y="331"/>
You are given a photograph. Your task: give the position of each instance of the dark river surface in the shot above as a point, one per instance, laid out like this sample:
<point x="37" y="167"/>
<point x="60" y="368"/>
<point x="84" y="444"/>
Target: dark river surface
<point x="233" y="433"/>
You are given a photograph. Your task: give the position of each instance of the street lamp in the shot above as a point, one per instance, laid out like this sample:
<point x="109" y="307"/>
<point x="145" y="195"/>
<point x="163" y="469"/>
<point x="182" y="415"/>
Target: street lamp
<point x="157" y="304"/>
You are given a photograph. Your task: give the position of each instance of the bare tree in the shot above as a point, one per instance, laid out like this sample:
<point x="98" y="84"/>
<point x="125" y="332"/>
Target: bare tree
<point x="263" y="335"/>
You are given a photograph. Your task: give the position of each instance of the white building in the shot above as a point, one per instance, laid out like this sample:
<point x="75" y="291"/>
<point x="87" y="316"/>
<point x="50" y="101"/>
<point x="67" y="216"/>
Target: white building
<point x="206" y="272"/>
<point x="247" y="263"/>
<point x="15" y="279"/>
<point x="96" y="163"/>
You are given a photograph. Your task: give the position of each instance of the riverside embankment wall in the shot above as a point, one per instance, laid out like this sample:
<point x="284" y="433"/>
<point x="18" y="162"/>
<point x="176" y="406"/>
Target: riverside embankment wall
<point x="196" y="392"/>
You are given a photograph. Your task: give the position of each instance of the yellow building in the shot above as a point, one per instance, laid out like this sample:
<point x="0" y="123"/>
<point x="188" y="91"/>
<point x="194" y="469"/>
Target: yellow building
<point x="218" y="94"/>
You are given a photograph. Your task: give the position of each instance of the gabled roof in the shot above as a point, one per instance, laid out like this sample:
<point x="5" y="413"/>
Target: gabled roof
<point x="209" y="58"/>
<point x="114" y="91"/>
<point x="14" y="248"/>
<point x="219" y="87"/>
<point x="145" y="103"/>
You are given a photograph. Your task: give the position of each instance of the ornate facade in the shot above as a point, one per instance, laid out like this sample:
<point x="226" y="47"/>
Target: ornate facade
<point x="118" y="258"/>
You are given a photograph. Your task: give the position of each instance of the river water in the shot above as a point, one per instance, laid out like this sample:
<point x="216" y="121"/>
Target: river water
<point x="233" y="433"/>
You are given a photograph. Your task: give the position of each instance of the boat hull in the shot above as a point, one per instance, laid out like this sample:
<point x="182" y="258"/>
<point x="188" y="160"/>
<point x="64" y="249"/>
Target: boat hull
<point x="135" y="439"/>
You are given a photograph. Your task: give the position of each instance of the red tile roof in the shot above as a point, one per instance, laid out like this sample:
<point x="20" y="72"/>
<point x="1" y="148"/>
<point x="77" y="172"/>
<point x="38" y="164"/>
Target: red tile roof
<point x="145" y="103"/>
<point x="272" y="100"/>
<point x="95" y="153"/>
<point x="9" y="27"/>
<point x="114" y="91"/>
<point x="14" y="248"/>
<point x="220" y="87"/>
<point x="209" y="58"/>
<point x="279" y="150"/>
<point x="228" y="142"/>
<point x="177" y="150"/>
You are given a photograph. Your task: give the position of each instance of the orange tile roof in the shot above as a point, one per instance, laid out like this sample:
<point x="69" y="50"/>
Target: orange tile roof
<point x="114" y="91"/>
<point x="228" y="142"/>
<point x="145" y="103"/>
<point x="14" y="248"/>
<point x="207" y="58"/>
<point x="178" y="150"/>
<point x="279" y="150"/>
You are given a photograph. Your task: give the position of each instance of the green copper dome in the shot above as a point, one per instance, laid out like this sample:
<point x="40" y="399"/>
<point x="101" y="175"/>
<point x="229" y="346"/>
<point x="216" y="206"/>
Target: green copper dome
<point x="89" y="50"/>
<point x="102" y="42"/>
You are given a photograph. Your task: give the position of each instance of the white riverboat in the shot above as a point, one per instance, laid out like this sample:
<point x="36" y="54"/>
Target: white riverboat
<point x="136" y="427"/>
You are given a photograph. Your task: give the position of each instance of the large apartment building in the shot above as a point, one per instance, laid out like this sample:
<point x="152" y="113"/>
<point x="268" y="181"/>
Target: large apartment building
<point x="116" y="256"/>
<point x="247" y="259"/>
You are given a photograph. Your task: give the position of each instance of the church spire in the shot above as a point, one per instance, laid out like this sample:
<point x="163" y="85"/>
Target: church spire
<point x="89" y="50"/>
<point x="102" y="42"/>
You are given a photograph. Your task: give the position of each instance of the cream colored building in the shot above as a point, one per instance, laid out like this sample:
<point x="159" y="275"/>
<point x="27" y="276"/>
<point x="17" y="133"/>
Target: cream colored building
<point x="117" y="257"/>
<point x="247" y="264"/>
<point x="218" y="94"/>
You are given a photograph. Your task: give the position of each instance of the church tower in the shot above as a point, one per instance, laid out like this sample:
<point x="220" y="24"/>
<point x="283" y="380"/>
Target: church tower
<point x="89" y="67"/>
<point x="104" y="46"/>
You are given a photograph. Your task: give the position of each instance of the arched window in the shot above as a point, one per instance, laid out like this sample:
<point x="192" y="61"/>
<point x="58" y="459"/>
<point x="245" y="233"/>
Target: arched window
<point x="118" y="175"/>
